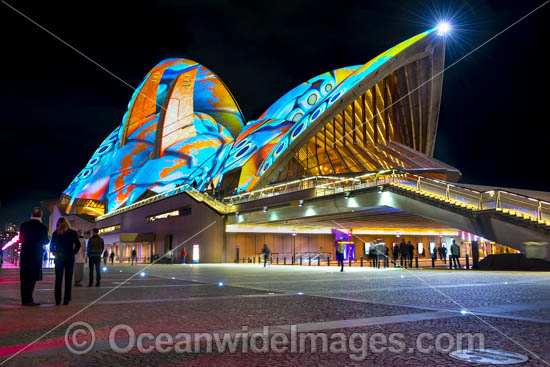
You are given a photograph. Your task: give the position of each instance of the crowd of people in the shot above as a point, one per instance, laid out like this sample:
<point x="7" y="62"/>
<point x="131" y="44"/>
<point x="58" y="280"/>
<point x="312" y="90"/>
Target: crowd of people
<point x="70" y="250"/>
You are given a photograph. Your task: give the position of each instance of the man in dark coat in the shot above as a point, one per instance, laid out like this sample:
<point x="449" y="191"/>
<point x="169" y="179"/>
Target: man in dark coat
<point x="403" y="251"/>
<point x="33" y="235"/>
<point x="410" y="253"/>
<point x="395" y="253"/>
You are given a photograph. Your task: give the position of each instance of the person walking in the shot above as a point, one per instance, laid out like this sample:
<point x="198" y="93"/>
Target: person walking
<point x="112" y="257"/>
<point x="105" y="256"/>
<point x="183" y="255"/>
<point x="96" y="246"/>
<point x="266" y="251"/>
<point x="340" y="254"/>
<point x="79" y="260"/>
<point x="433" y="253"/>
<point x="32" y="235"/>
<point x="403" y="251"/>
<point x="134" y="256"/>
<point x="395" y="254"/>
<point x="65" y="245"/>
<point x="455" y="255"/>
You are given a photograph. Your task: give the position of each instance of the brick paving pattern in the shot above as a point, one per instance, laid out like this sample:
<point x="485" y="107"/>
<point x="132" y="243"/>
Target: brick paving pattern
<point x="511" y="310"/>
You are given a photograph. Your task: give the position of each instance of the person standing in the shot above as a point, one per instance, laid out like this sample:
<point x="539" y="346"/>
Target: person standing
<point x="105" y="256"/>
<point x="433" y="253"/>
<point x="410" y="253"/>
<point x="266" y="251"/>
<point x="183" y="255"/>
<point x="79" y="260"/>
<point x="395" y="253"/>
<point x="134" y="256"/>
<point x="112" y="257"/>
<point x="340" y="254"/>
<point x="65" y="244"/>
<point x="32" y="235"/>
<point x="455" y="255"/>
<point x="96" y="246"/>
<point x="380" y="251"/>
<point x="403" y="251"/>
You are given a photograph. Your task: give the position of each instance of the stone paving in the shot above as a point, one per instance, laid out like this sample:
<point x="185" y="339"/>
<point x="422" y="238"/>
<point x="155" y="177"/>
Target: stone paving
<point x="510" y="310"/>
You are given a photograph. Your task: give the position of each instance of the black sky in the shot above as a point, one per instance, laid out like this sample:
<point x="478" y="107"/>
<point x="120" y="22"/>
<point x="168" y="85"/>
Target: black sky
<point x="57" y="106"/>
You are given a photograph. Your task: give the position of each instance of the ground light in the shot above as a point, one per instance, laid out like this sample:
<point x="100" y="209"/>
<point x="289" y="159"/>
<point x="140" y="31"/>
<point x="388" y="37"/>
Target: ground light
<point x="463" y="312"/>
<point x="220" y="284"/>
<point x="300" y="293"/>
<point x="443" y="28"/>
<point x="142" y="274"/>
<point x="104" y="268"/>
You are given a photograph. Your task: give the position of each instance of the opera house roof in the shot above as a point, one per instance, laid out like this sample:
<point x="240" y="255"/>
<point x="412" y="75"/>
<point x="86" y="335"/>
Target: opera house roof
<point x="183" y="126"/>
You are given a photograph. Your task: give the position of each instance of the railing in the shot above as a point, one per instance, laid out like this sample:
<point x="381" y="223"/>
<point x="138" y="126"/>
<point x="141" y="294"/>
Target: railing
<point x="180" y="189"/>
<point x="503" y="201"/>
<point x="499" y="200"/>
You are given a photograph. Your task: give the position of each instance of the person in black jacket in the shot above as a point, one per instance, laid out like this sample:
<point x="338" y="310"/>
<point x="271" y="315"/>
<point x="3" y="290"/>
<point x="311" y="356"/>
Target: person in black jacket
<point x="410" y="253"/>
<point x="403" y="251"/>
<point x="64" y="245"/>
<point x="395" y="253"/>
<point x="33" y="235"/>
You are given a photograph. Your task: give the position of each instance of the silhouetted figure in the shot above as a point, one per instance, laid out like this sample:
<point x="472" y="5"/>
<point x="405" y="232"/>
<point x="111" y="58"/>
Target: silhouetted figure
<point x="65" y="244"/>
<point x="395" y="253"/>
<point x="112" y="257"/>
<point x="96" y="246"/>
<point x="183" y="255"/>
<point x="32" y="235"/>
<point x="433" y="253"/>
<point x="455" y="255"/>
<point x="340" y="254"/>
<point x="403" y="251"/>
<point x="265" y="251"/>
<point x="410" y="253"/>
<point x="134" y="256"/>
<point x="105" y="256"/>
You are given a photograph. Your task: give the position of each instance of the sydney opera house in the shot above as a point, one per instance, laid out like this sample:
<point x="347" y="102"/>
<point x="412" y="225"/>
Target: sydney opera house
<point x="349" y="152"/>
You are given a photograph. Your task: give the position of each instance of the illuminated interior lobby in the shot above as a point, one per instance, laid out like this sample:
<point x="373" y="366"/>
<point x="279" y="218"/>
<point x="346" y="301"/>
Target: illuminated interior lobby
<point x="346" y="153"/>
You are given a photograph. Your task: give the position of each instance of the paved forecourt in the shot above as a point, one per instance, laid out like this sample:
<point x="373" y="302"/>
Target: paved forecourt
<point x="510" y="309"/>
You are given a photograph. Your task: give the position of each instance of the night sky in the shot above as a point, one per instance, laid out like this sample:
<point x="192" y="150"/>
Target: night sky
<point x="57" y="106"/>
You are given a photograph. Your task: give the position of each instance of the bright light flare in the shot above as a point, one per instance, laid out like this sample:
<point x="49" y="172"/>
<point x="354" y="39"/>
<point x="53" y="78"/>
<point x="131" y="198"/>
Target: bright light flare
<point x="443" y="28"/>
<point x="11" y="242"/>
<point x="104" y="268"/>
<point x="142" y="274"/>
